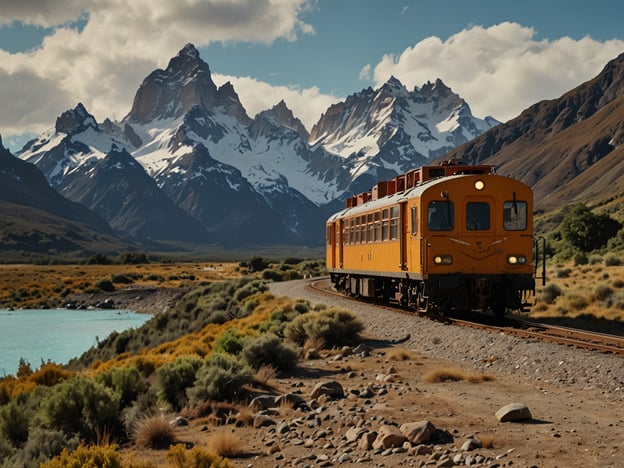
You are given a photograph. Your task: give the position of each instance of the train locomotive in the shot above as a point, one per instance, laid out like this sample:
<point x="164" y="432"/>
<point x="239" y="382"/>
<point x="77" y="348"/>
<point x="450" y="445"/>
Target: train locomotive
<point x="438" y="239"/>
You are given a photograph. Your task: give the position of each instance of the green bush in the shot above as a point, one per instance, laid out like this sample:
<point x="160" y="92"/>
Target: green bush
<point x="174" y="378"/>
<point x="603" y="292"/>
<point x="122" y="279"/>
<point x="550" y="293"/>
<point x="230" y="342"/>
<point x="90" y="456"/>
<point x="612" y="260"/>
<point x="588" y="231"/>
<point x="333" y="327"/>
<point x="14" y="424"/>
<point x="268" y="349"/>
<point x="84" y="407"/>
<point x="42" y="445"/>
<point x="105" y="285"/>
<point x="220" y="379"/>
<point x="126" y="382"/>
<point x="580" y="258"/>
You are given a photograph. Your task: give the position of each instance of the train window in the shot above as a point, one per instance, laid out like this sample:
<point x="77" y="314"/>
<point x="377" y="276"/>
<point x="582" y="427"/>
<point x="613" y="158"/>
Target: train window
<point x="377" y="227"/>
<point x="358" y="230"/>
<point x="394" y="223"/>
<point x="414" y="221"/>
<point x="369" y="227"/>
<point x="515" y="215"/>
<point x="385" y="225"/>
<point x="440" y="215"/>
<point x="477" y="216"/>
<point x="437" y="172"/>
<point x="351" y="231"/>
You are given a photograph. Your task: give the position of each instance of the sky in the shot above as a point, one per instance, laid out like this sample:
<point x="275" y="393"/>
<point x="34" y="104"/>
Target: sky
<point x="501" y="56"/>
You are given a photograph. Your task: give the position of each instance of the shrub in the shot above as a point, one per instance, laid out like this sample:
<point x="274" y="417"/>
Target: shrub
<point x="126" y="382"/>
<point x="230" y="342"/>
<point x="179" y="457"/>
<point x="90" y="456"/>
<point x="551" y="292"/>
<point x="269" y="350"/>
<point x="42" y="445"/>
<point x="174" y="378"/>
<point x="122" y="279"/>
<point x="153" y="432"/>
<point x="580" y="258"/>
<point x="226" y="444"/>
<point x="84" y="407"/>
<point x="14" y="424"/>
<point x="220" y="379"/>
<point x="588" y="231"/>
<point x="612" y="260"/>
<point x="333" y="326"/>
<point x="105" y="285"/>
<point x="563" y="272"/>
<point x="603" y="292"/>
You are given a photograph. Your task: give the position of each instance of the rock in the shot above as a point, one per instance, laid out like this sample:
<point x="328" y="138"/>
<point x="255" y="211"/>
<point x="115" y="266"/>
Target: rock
<point x="366" y="440"/>
<point x="513" y="412"/>
<point x="418" y="432"/>
<point x="388" y="437"/>
<point x="261" y="420"/>
<point x="263" y="402"/>
<point x="354" y="433"/>
<point x="362" y="350"/>
<point x="290" y="399"/>
<point x="331" y="389"/>
<point x="470" y="444"/>
<point x="179" y="421"/>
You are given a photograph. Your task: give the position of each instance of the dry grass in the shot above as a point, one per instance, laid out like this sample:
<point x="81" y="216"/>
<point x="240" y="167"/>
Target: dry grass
<point x="579" y="297"/>
<point x="400" y="354"/>
<point x="37" y="286"/>
<point x="488" y="442"/>
<point x="443" y="375"/>
<point x="226" y="444"/>
<point x="154" y="432"/>
<point x="264" y="377"/>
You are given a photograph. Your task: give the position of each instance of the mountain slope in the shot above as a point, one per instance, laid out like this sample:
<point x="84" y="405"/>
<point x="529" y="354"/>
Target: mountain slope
<point x="555" y="146"/>
<point x="35" y="217"/>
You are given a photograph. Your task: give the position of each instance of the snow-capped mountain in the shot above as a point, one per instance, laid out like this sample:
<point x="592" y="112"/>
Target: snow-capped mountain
<point x="254" y="181"/>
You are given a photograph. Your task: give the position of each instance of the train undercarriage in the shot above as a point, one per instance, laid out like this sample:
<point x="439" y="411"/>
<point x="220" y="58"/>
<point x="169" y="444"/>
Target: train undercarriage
<point x="443" y="294"/>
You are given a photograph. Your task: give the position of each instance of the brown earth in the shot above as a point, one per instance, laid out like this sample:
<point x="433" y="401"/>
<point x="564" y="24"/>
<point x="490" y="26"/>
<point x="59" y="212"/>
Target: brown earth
<point x="569" y="426"/>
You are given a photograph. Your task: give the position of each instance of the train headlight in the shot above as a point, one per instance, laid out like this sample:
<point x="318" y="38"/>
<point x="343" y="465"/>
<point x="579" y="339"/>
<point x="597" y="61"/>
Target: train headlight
<point x="479" y="185"/>
<point x="516" y="259"/>
<point x="443" y="259"/>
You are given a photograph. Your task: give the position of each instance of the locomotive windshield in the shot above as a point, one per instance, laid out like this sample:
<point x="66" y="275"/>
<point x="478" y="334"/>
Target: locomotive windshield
<point x="478" y="216"/>
<point x="515" y="215"/>
<point x="440" y="215"/>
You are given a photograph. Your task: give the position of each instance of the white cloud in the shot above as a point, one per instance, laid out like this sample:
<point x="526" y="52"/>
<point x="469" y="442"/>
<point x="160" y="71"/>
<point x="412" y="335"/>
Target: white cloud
<point x="365" y="72"/>
<point x="500" y="70"/>
<point x="103" y="64"/>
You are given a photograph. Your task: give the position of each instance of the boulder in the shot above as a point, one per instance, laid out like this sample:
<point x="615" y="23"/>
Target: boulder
<point x="331" y="389"/>
<point x="513" y="412"/>
<point x="388" y="437"/>
<point x="418" y="432"/>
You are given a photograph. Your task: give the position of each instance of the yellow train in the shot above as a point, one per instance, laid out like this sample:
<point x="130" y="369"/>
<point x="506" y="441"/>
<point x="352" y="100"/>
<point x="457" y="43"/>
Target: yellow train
<point x="438" y="238"/>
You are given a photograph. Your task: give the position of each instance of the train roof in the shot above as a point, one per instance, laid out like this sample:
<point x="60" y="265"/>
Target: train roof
<point x="398" y="197"/>
<point x="407" y="185"/>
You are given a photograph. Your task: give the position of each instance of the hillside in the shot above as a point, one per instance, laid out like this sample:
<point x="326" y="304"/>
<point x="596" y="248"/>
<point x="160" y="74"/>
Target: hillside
<point x="568" y="149"/>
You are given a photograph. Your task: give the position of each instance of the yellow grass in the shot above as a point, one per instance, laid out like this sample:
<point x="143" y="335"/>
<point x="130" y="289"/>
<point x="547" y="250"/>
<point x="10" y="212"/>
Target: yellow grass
<point x="579" y="292"/>
<point x="226" y="444"/>
<point x="446" y="374"/>
<point x="38" y="286"/>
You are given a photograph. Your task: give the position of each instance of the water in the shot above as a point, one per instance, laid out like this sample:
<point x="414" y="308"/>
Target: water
<point x="57" y="335"/>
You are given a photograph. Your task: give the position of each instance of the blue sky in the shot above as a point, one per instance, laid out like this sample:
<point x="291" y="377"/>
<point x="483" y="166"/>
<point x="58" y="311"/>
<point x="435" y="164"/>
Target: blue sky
<point x="501" y="56"/>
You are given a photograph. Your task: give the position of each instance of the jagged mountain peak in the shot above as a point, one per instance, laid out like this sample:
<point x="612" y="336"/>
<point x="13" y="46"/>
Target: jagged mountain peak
<point x="171" y="92"/>
<point x="75" y="119"/>
<point x="282" y="114"/>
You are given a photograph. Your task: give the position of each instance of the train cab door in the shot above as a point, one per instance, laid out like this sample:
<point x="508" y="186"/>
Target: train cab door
<point x="331" y="245"/>
<point x="478" y="234"/>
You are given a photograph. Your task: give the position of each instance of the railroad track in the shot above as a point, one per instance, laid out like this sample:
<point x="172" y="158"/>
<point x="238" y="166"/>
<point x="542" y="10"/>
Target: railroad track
<point x="572" y="337"/>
